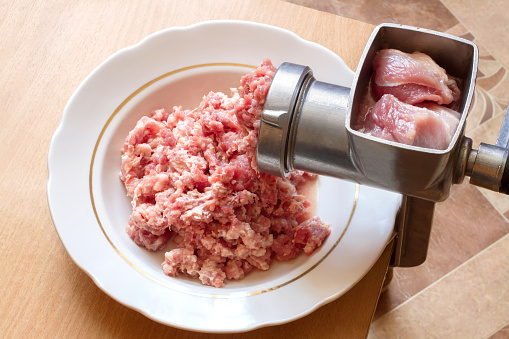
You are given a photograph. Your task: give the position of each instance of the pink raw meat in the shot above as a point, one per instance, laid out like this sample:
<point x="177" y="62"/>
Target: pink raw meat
<point x="424" y="125"/>
<point x="412" y="78"/>
<point x="192" y="177"/>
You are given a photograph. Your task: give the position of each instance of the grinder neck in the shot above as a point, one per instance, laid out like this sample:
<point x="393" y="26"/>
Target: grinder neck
<point x="303" y="126"/>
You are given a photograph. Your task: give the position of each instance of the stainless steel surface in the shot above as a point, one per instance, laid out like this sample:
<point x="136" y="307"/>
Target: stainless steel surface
<point x="285" y="95"/>
<point x="303" y="141"/>
<point x="318" y="147"/>
<point x="310" y="127"/>
<point x="488" y="165"/>
<point x="413" y="227"/>
<point x="460" y="168"/>
<point x="503" y="135"/>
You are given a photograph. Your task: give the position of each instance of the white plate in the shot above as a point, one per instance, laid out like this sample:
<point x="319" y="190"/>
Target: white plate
<point x="90" y="208"/>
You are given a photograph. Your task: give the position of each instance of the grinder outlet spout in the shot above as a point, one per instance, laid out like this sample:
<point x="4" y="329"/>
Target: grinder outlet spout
<point x="301" y="116"/>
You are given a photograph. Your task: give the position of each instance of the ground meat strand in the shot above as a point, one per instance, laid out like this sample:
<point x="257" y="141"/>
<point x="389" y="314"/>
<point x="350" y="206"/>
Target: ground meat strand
<point x="192" y="176"/>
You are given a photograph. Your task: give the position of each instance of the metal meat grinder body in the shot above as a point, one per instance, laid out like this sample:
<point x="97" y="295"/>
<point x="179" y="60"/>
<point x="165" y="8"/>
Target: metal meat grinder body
<point x="308" y="125"/>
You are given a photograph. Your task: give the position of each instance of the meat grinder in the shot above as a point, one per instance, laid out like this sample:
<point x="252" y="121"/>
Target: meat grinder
<point x="308" y="125"/>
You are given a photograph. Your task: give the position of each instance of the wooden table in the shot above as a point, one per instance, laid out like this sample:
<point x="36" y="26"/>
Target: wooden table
<point x="49" y="47"/>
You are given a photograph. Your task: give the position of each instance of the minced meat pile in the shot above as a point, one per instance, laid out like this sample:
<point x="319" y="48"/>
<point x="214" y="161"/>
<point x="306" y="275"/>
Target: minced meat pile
<point x="193" y="179"/>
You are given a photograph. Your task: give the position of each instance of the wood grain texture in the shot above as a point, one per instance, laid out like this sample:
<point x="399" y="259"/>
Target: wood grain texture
<point x="47" y="49"/>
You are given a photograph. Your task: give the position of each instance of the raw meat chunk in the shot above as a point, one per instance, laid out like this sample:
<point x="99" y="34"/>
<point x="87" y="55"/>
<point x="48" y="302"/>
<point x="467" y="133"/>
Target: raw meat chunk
<point x="311" y="234"/>
<point x="412" y="78"/>
<point x="427" y="125"/>
<point x="409" y="101"/>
